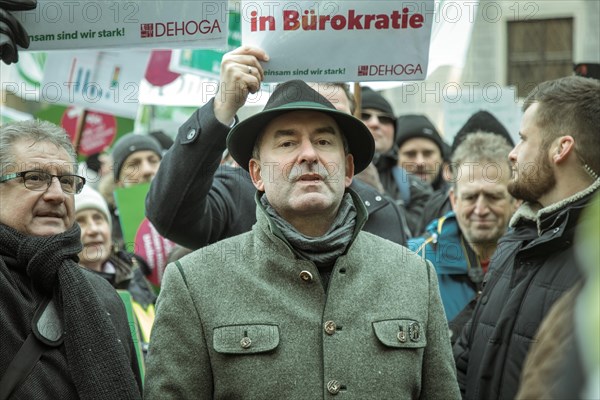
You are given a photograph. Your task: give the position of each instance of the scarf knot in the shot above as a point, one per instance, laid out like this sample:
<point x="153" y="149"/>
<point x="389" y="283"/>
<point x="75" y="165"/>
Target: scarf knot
<point x="322" y="250"/>
<point x="43" y="256"/>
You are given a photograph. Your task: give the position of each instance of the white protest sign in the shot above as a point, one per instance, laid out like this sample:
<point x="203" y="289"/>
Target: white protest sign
<point x="501" y="101"/>
<point x="68" y="24"/>
<point x="101" y="81"/>
<point x="366" y="40"/>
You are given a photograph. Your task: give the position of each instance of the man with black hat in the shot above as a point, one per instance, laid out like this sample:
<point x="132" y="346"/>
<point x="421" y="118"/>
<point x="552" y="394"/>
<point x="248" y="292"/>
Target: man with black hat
<point x="305" y="305"/>
<point x="194" y="201"/>
<point x="408" y="191"/>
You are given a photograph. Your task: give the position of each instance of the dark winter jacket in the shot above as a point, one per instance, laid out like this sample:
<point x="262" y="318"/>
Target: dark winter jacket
<point x="51" y="377"/>
<point x="532" y="267"/>
<point x="194" y="201"/>
<point x="436" y="207"/>
<point x="411" y="194"/>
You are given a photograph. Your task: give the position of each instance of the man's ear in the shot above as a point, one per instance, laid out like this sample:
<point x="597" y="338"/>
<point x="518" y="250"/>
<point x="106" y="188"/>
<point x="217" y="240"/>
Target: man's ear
<point x="446" y="172"/>
<point x="564" y="146"/>
<point x="452" y="196"/>
<point x="349" y="170"/>
<point x="255" y="174"/>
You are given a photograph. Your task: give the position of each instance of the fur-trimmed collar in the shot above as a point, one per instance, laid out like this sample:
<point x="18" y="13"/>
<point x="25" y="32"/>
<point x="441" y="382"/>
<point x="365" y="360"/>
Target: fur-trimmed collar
<point x="535" y="213"/>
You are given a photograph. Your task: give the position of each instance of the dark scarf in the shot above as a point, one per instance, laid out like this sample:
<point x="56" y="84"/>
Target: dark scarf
<point x="97" y="362"/>
<point x="322" y="250"/>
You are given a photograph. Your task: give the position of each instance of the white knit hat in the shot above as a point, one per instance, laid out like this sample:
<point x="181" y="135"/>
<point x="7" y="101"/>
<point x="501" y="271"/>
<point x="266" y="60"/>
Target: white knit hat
<point x="90" y="198"/>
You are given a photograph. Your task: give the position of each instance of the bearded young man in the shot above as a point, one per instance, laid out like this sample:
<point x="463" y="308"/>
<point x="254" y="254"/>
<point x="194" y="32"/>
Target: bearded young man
<point x="555" y="172"/>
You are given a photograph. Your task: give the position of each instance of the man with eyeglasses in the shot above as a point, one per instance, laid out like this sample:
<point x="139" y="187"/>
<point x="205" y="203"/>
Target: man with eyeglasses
<point x="64" y="330"/>
<point x="407" y="190"/>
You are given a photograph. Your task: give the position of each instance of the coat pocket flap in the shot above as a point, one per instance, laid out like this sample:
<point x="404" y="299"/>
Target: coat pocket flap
<point x="401" y="333"/>
<point x="245" y="339"/>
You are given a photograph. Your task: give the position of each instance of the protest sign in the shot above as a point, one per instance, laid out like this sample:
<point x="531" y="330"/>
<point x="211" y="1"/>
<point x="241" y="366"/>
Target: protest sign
<point x="97" y="133"/>
<point x="501" y="101"/>
<point x="98" y="80"/>
<point x="68" y="24"/>
<point x="133" y="327"/>
<point x="139" y="232"/>
<point x="208" y="62"/>
<point x="340" y="40"/>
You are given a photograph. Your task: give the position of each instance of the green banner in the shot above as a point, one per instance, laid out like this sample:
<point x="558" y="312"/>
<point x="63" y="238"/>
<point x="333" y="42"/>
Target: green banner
<point x="127" y="301"/>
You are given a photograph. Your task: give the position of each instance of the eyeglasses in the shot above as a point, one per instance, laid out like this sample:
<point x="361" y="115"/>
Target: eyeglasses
<point x="40" y="181"/>
<point x="383" y="118"/>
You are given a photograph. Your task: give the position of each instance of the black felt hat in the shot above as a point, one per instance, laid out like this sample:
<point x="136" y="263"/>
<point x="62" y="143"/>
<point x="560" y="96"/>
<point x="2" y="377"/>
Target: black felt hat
<point x="481" y="121"/>
<point x="296" y="95"/>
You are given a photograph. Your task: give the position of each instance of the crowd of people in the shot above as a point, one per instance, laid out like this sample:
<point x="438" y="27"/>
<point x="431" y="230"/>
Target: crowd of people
<point x="324" y="248"/>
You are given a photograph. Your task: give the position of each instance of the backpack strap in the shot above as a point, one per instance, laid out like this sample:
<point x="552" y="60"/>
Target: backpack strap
<point x="46" y="332"/>
<point x="21" y="365"/>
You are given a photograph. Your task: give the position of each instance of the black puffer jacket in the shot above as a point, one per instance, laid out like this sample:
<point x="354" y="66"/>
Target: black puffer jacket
<point x="195" y="202"/>
<point x="419" y="191"/>
<point x="532" y="267"/>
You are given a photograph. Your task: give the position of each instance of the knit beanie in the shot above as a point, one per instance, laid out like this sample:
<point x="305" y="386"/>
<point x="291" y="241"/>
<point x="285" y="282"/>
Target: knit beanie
<point x="128" y="144"/>
<point x="89" y="198"/>
<point x="412" y="126"/>
<point x="481" y="121"/>
<point x="372" y="99"/>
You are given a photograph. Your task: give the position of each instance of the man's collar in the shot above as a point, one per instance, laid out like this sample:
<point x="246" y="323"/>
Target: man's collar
<point x="534" y="212"/>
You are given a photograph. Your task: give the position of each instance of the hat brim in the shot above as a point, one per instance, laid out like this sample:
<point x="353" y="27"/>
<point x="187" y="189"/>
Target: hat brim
<point x="243" y="136"/>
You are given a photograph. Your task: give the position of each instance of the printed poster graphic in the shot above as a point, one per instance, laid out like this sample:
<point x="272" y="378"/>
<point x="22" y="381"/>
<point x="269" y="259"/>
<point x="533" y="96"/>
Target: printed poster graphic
<point x="340" y="40"/>
<point x="68" y="24"/>
<point x="99" y="130"/>
<point x="140" y="236"/>
<point x="104" y="81"/>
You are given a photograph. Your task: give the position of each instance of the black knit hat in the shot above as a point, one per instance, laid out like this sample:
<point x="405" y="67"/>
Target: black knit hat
<point x="128" y="144"/>
<point x="296" y="95"/>
<point x="372" y="99"/>
<point x="481" y="121"/>
<point x="412" y="126"/>
<point x="587" y="70"/>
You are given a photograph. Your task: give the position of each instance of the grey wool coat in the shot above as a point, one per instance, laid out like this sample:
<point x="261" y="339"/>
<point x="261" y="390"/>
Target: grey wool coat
<point x="246" y="319"/>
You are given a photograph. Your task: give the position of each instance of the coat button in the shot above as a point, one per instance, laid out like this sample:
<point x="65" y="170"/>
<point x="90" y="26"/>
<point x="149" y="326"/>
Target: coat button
<point x="191" y="133"/>
<point x="401" y="336"/>
<point x="329" y="327"/>
<point x="333" y="387"/>
<point x="378" y="198"/>
<point x="246" y="342"/>
<point x="367" y="203"/>
<point x="306" y="276"/>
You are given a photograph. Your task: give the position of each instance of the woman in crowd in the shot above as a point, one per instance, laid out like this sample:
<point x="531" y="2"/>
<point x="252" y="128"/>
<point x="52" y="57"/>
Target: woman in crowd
<point x="122" y="269"/>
